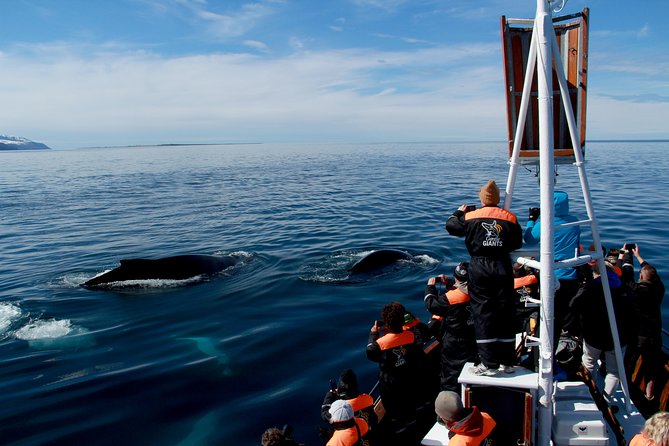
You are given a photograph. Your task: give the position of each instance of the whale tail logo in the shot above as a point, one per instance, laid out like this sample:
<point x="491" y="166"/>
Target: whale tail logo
<point x="493" y="231"/>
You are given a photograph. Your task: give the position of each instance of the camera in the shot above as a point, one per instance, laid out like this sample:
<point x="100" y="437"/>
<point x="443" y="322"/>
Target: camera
<point x="534" y="213"/>
<point x="469" y="208"/>
<point x="630" y="246"/>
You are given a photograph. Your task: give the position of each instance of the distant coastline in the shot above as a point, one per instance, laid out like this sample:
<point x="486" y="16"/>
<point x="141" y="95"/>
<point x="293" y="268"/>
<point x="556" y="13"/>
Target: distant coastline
<point x="175" y="145"/>
<point x="14" y="143"/>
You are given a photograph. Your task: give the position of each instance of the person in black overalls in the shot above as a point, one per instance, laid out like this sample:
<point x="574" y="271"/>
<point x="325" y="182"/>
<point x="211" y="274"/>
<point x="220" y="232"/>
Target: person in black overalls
<point x="491" y="233"/>
<point x="453" y="311"/>
<point x="402" y="365"/>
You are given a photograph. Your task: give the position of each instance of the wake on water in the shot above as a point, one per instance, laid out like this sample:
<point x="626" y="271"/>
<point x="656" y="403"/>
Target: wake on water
<point x="41" y="333"/>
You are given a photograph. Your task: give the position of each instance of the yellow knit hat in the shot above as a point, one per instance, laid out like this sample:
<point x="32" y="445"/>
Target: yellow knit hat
<point x="489" y="193"/>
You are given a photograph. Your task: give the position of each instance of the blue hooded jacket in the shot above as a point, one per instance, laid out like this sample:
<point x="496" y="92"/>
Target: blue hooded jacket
<point x="567" y="240"/>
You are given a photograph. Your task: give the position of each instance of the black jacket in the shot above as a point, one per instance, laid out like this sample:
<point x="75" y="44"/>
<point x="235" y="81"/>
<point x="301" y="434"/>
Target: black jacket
<point x="589" y="306"/>
<point x="489" y="231"/>
<point x="457" y="324"/>
<point x="647" y="299"/>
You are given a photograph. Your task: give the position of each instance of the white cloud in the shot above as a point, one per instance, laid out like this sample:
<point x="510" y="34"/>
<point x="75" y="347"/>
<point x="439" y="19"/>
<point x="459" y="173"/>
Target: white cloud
<point x="255" y="44"/>
<point x="386" y="5"/>
<point x="218" y="23"/>
<point x="609" y="118"/>
<point x="236" y="24"/>
<point x="644" y="31"/>
<point x="348" y="94"/>
<point x="296" y="43"/>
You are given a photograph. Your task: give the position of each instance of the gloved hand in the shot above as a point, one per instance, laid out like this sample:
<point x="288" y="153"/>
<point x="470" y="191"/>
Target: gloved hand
<point x="534" y="214"/>
<point x="441" y="278"/>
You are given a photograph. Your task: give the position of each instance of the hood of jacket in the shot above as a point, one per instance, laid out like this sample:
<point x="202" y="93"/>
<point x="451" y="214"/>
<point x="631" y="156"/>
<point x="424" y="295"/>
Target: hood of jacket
<point x="471" y="425"/>
<point x="561" y="202"/>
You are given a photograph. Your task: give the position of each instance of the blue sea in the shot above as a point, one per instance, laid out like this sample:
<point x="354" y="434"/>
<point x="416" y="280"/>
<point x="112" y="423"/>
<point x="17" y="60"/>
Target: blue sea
<point x="215" y="361"/>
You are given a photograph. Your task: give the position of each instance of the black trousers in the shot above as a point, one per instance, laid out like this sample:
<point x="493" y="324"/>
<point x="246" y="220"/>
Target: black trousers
<point x="492" y="301"/>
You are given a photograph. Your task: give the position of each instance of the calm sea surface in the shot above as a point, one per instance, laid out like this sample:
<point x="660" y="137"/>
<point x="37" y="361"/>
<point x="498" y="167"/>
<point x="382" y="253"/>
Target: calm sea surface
<point x="218" y="361"/>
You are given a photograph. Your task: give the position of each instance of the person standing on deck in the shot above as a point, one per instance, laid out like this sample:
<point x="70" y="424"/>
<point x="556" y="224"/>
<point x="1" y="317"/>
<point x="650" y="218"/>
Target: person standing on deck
<point x="491" y="233"/>
<point x="566" y="244"/>
<point x="347" y="390"/>
<point x="402" y="365"/>
<point x="452" y="308"/>
<point x="589" y="305"/>
<point x="647" y="295"/>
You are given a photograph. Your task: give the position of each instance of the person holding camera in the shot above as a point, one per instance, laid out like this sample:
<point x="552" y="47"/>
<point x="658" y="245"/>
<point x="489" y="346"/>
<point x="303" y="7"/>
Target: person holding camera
<point x="452" y="308"/>
<point x="348" y="429"/>
<point x="647" y="295"/>
<point x="346" y="388"/>
<point x="589" y="305"/>
<point x="566" y="245"/>
<point x="402" y="365"/>
<point x="490" y="233"/>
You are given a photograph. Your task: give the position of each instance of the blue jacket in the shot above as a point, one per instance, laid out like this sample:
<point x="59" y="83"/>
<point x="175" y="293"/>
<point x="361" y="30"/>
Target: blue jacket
<point x="567" y="240"/>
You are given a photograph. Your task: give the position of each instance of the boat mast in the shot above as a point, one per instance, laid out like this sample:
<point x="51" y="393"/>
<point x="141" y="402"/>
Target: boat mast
<point x="543" y="30"/>
<point x="543" y="45"/>
<point x="541" y="50"/>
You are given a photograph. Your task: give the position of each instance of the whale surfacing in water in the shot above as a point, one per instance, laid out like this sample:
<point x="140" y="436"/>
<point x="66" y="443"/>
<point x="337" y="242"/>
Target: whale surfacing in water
<point x="379" y="259"/>
<point x="175" y="268"/>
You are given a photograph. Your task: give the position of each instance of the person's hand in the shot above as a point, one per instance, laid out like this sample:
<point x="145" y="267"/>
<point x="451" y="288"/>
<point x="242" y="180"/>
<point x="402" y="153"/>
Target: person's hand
<point x="375" y="327"/>
<point x="463" y="208"/>
<point x="534" y="214"/>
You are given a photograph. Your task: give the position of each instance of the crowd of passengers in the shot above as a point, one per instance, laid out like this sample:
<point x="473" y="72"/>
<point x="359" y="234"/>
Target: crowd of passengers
<point x="475" y="315"/>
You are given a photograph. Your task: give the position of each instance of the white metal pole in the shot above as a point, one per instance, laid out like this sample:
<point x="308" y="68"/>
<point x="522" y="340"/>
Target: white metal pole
<point x="578" y="156"/>
<point x="544" y="30"/>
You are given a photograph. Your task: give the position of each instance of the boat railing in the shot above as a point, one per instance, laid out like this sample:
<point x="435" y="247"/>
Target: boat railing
<point x="527" y="258"/>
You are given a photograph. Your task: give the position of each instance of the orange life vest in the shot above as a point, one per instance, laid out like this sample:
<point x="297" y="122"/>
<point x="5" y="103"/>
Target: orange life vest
<point x="456" y="296"/>
<point x="491" y="212"/>
<point x="392" y="340"/>
<point x="528" y="280"/>
<point x="464" y="440"/>
<point x="415" y="321"/>
<point x="361" y="401"/>
<point x="348" y="437"/>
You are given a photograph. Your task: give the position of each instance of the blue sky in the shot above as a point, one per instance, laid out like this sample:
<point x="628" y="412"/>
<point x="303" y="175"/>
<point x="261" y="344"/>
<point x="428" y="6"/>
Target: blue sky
<point x="95" y="72"/>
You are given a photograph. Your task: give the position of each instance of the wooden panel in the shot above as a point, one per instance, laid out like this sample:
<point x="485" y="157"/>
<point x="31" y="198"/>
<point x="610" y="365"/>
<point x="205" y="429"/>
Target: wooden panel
<point x="571" y="34"/>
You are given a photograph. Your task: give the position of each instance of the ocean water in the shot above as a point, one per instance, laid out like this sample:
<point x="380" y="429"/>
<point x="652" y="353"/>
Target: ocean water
<point x="218" y="360"/>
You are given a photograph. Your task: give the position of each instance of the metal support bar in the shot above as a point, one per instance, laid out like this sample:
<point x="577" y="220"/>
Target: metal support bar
<point x="533" y="341"/>
<point x="573" y="131"/>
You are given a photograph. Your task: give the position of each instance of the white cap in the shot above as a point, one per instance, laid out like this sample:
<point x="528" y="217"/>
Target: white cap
<point x="340" y="410"/>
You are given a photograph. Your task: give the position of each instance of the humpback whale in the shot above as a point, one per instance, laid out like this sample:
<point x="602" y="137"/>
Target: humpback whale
<point x="176" y="268"/>
<point x="378" y="259"/>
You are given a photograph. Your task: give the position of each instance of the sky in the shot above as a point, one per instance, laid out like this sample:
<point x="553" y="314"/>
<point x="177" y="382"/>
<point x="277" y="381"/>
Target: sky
<point x="81" y="73"/>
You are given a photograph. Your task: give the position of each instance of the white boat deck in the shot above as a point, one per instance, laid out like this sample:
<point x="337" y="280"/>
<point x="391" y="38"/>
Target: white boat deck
<point x="577" y="420"/>
<point x="521" y="378"/>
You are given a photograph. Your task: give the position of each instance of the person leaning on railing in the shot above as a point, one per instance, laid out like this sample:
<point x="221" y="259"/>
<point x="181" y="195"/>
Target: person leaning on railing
<point x="647" y="295"/>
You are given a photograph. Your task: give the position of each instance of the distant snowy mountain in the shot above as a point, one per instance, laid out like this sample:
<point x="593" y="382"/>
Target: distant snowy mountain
<point x="17" y="143"/>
